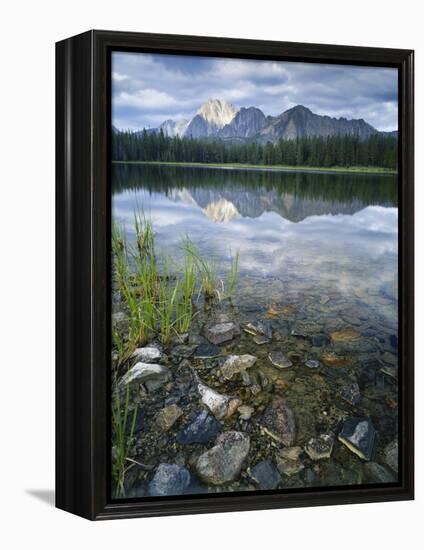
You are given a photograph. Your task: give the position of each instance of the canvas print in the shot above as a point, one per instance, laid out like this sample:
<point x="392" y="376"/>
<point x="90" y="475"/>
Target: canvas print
<point x="254" y="284"/>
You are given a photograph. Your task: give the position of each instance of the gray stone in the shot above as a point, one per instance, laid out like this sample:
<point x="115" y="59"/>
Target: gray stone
<point x="265" y="475"/>
<point x="320" y="447"/>
<point x="261" y="328"/>
<point x="224" y="461"/>
<point x="207" y="351"/>
<point x="279" y="360"/>
<point x="148" y="354"/>
<point x="202" y="429"/>
<point x="219" y="333"/>
<point x="391" y="455"/>
<point x="237" y="363"/>
<point x="220" y="405"/>
<point x="289" y="467"/>
<point x="167" y="417"/>
<point x="312" y="364"/>
<point x="292" y="453"/>
<point x="264" y="328"/>
<point x="299" y="333"/>
<point x="350" y="393"/>
<point x="153" y="376"/>
<point x="358" y="435"/>
<point x="278" y="421"/>
<point x="183" y="351"/>
<point x="169" y="479"/>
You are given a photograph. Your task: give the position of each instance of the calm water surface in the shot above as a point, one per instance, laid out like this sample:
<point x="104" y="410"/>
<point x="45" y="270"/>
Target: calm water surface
<point x="295" y="231"/>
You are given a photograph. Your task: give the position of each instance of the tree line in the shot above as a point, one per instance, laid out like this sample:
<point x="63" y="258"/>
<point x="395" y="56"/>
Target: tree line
<point x="345" y="151"/>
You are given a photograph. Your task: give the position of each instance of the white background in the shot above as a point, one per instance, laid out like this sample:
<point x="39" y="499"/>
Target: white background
<point x="28" y="33"/>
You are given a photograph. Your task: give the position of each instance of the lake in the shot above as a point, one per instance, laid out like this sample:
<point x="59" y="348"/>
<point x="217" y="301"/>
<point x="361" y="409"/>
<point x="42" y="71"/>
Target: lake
<point x="318" y="262"/>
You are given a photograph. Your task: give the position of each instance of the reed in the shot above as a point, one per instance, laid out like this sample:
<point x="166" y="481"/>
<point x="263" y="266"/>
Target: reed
<point x="232" y="274"/>
<point x="166" y="303"/>
<point x="184" y="305"/>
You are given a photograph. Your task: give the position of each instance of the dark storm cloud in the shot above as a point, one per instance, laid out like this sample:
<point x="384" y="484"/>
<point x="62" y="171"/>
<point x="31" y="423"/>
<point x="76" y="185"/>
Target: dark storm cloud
<point x="150" y="88"/>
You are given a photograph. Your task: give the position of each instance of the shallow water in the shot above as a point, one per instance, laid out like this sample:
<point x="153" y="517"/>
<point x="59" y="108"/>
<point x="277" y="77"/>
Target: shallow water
<point x="318" y="254"/>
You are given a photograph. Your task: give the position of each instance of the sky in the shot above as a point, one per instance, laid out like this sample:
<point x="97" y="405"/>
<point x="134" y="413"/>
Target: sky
<point x="148" y="89"/>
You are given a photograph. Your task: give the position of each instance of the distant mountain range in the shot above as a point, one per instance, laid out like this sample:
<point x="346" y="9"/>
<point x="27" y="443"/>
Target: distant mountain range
<point x="219" y="119"/>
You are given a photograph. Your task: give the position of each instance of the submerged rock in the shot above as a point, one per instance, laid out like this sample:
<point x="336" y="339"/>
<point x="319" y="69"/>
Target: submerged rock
<point x="391" y="371"/>
<point x="368" y="372"/>
<point x="279" y="360"/>
<point x="389" y="358"/>
<point x="391" y="455"/>
<point x="148" y="354"/>
<point x="278" y="421"/>
<point x="377" y="473"/>
<point x="260" y="328"/>
<point x="265" y="475"/>
<point x="220" y="405"/>
<point x="358" y="435"/>
<point x="221" y="332"/>
<point x="333" y="360"/>
<point x="289" y="467"/>
<point x="169" y="479"/>
<point x="312" y="364"/>
<point x="350" y="393"/>
<point x="345" y="335"/>
<point x="237" y="363"/>
<point x="320" y="447"/>
<point x="297" y="333"/>
<point x="260" y="340"/>
<point x="291" y="453"/>
<point x="202" y="429"/>
<point x="153" y="376"/>
<point x="224" y="461"/>
<point x="207" y="351"/>
<point x="183" y="351"/>
<point x="288" y="462"/>
<point x="167" y="417"/>
<point x="320" y="340"/>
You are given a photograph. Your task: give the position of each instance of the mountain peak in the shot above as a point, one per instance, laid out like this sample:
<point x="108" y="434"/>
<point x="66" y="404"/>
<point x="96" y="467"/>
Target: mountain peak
<point x="217" y="112"/>
<point x="299" y="109"/>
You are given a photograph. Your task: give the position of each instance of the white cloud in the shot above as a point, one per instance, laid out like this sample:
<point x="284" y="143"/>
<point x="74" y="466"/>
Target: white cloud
<point x="118" y="77"/>
<point x="145" y="99"/>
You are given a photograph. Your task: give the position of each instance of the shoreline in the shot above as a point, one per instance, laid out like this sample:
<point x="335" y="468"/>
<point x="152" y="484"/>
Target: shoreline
<point x="268" y="168"/>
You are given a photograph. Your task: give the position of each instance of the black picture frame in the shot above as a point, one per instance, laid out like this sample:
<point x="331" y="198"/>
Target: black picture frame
<point x="83" y="267"/>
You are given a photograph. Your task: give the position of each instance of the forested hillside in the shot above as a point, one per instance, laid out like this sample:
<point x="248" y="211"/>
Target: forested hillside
<point x="345" y="151"/>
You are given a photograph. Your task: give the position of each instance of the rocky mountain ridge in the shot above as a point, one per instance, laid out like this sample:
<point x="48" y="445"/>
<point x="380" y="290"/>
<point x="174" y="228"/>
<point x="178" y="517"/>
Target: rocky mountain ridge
<point x="219" y="119"/>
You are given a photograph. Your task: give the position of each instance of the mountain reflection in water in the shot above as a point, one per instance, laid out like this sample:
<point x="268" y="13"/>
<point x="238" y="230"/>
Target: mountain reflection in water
<point x="306" y="229"/>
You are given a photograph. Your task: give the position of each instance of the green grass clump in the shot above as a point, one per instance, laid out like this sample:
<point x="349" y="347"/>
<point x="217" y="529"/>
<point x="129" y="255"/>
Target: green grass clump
<point x="121" y="439"/>
<point x="207" y="269"/>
